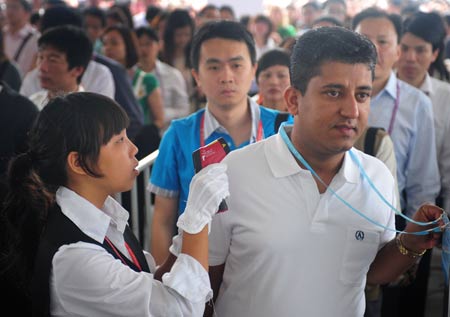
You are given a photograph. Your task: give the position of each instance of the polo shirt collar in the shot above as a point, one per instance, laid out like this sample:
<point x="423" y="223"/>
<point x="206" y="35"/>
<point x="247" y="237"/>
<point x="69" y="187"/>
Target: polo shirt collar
<point x="92" y="221"/>
<point x="211" y="125"/>
<point x="283" y="163"/>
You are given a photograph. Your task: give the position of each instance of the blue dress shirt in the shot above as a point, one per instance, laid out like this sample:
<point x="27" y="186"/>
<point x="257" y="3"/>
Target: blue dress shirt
<point x="414" y="141"/>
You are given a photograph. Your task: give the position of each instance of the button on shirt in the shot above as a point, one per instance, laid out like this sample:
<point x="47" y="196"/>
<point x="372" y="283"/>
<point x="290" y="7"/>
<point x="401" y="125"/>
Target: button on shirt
<point x="439" y="93"/>
<point x="174" y="168"/>
<point x="289" y="250"/>
<point x="88" y="281"/>
<point x="414" y="141"/>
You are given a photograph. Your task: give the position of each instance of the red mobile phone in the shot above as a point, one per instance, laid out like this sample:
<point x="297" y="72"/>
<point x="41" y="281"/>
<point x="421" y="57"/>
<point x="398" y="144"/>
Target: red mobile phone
<point x="213" y="152"/>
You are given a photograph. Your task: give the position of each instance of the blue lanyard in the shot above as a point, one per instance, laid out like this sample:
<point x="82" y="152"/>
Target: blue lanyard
<point x="299" y="157"/>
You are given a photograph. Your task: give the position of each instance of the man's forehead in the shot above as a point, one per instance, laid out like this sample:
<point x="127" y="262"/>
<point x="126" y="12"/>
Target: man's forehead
<point x="223" y="49"/>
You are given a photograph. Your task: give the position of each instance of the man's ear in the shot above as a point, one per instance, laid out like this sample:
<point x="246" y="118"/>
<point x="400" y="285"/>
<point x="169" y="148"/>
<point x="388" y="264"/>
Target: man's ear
<point x="73" y="163"/>
<point x="77" y="71"/>
<point x="293" y="98"/>
<point x="196" y="77"/>
<point x="435" y="55"/>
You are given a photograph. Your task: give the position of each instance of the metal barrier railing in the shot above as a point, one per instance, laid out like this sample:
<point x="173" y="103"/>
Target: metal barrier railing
<point x="143" y="167"/>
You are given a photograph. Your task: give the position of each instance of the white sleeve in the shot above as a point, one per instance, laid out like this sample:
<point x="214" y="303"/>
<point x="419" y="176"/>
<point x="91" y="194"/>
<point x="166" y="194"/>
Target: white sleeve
<point x="88" y="281"/>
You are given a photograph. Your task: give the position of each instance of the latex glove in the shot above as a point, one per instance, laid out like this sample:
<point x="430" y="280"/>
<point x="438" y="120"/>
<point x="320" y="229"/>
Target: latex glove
<point x="207" y="189"/>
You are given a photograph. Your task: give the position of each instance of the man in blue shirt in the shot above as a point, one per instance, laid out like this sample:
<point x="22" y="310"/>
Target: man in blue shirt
<point x="224" y="63"/>
<point x="407" y="115"/>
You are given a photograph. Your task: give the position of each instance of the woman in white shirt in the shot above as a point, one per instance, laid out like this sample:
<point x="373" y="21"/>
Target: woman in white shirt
<point x="69" y="251"/>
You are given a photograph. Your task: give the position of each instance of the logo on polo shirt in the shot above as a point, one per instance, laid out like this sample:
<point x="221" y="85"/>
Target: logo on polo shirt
<point x="359" y="235"/>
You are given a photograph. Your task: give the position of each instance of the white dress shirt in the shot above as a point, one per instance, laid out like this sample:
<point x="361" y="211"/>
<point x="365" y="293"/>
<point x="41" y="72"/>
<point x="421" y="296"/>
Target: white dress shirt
<point x="97" y="78"/>
<point x="174" y="91"/>
<point x="86" y="280"/>
<point x="439" y="93"/>
<point x="41" y="99"/>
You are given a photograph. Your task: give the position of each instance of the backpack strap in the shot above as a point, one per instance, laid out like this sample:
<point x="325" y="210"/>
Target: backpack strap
<point x="371" y="141"/>
<point x="280" y="118"/>
<point x="22" y="45"/>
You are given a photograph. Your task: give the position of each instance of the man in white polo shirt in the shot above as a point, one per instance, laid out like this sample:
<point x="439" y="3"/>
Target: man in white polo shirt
<point x="293" y="244"/>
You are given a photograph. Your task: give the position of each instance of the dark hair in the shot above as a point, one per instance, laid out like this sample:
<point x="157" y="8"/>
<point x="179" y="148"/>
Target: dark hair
<point x="151" y="12"/>
<point x="147" y="31"/>
<point x="430" y="28"/>
<point x="228" y="30"/>
<point x="228" y="9"/>
<point x="35" y="18"/>
<point x="60" y="15"/>
<point x="177" y="19"/>
<point x="97" y="13"/>
<point x="328" y="2"/>
<point x="261" y="18"/>
<point x="206" y="8"/>
<point x="313" y="4"/>
<point x="26" y="5"/>
<point x="122" y="13"/>
<point x="376" y="13"/>
<point x="129" y="39"/>
<point x="80" y="122"/>
<point x="70" y="40"/>
<point x="272" y="58"/>
<point x="329" y="19"/>
<point x="328" y="44"/>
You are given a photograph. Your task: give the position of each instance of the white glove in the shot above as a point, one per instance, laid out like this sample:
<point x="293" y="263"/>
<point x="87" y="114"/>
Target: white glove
<point x="206" y="191"/>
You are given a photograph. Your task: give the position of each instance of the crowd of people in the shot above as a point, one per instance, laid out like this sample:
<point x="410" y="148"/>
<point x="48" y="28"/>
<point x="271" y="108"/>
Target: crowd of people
<point x="332" y="115"/>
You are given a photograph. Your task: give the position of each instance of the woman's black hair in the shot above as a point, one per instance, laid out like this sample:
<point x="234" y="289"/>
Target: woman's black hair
<point x="177" y="19"/>
<point x="272" y="58"/>
<point x="79" y="122"/>
<point x="130" y="41"/>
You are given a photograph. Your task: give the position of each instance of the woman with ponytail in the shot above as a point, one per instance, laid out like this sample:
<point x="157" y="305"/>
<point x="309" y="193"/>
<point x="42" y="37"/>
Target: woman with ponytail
<point x="67" y="249"/>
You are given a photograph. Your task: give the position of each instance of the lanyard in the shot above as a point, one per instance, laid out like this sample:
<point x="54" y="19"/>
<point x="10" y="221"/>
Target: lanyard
<point x="299" y="157"/>
<point x="202" y="131"/>
<point x="394" y="111"/>
<point x="133" y="256"/>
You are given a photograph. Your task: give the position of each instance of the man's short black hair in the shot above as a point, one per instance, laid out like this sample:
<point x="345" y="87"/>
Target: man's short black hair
<point x="327" y="19"/>
<point x="377" y="13"/>
<point x="228" y="30"/>
<point x="328" y="44"/>
<point x="148" y="31"/>
<point x="70" y="40"/>
<point x="96" y="12"/>
<point x="60" y="15"/>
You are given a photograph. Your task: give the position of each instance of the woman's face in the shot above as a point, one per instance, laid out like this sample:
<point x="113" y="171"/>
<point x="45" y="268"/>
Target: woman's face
<point x="114" y="47"/>
<point x="272" y="83"/>
<point x="182" y="36"/>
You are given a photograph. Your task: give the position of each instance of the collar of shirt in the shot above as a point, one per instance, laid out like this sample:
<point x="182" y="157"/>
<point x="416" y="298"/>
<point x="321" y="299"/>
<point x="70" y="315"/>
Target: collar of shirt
<point x="92" y="221"/>
<point x="212" y="125"/>
<point x="427" y="85"/>
<point x="283" y="163"/>
<point x="390" y="88"/>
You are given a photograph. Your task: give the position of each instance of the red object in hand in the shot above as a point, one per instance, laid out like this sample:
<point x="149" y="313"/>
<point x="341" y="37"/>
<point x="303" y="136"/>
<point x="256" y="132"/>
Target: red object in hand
<point x="211" y="153"/>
